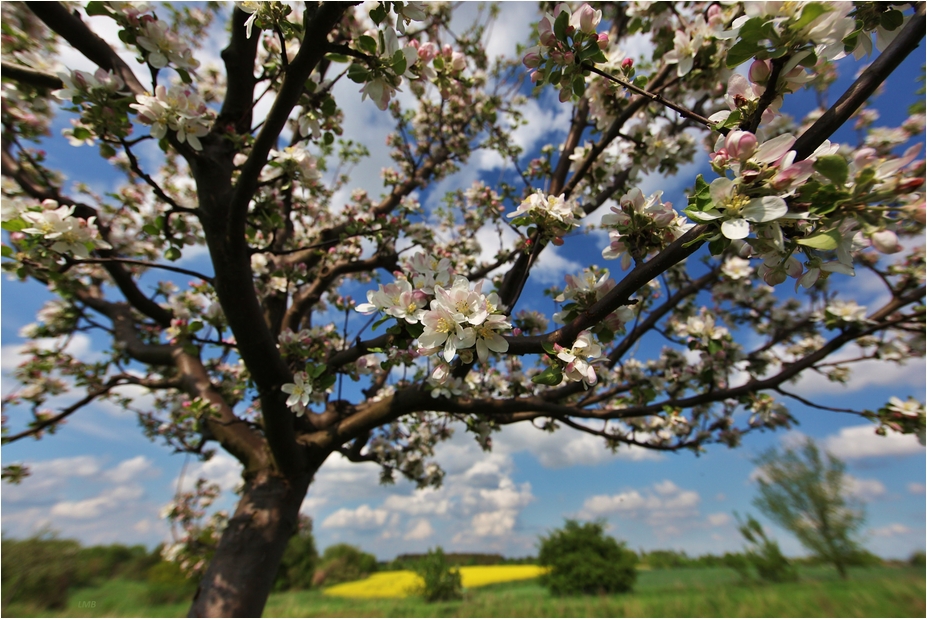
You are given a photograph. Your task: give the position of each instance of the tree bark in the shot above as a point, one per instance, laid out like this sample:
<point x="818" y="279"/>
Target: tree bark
<point x="240" y="576"/>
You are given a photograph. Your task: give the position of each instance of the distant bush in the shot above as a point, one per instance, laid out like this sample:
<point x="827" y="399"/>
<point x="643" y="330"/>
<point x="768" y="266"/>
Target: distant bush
<point x="299" y="560"/>
<point x="99" y="563"/>
<point x="38" y="571"/>
<point x="583" y="560"/>
<point x="167" y="584"/>
<point x="343" y="563"/>
<point x="764" y="554"/>
<point x="918" y="559"/>
<point x="441" y="582"/>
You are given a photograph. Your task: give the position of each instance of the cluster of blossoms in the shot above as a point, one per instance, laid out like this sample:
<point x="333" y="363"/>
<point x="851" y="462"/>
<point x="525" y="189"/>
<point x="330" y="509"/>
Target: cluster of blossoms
<point x="584" y="290"/>
<point x="579" y="359"/>
<point x="57" y="225"/>
<point x="552" y="215"/>
<point x="197" y="539"/>
<point x="639" y="227"/>
<point x="454" y="318"/>
<point x="101" y="102"/>
<point x="161" y="47"/>
<point x="178" y="108"/>
<point x="567" y="40"/>
<point x="292" y="161"/>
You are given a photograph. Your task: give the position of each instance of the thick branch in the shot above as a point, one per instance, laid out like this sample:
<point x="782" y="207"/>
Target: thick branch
<point x="29" y="76"/>
<point x="72" y="29"/>
<point x="906" y="42"/>
<point x="677" y="251"/>
<point x="309" y="55"/>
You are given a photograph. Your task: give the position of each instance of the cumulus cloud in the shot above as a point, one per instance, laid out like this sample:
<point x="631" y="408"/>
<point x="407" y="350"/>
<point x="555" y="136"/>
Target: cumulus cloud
<point x="866" y="489"/>
<point x="109" y="500"/>
<point x="564" y="448"/>
<point x="862" y="442"/>
<point x="132" y="469"/>
<point x="660" y="505"/>
<point x="221" y="469"/>
<point x="718" y="519"/>
<point x="420" y="529"/>
<point x="890" y="530"/>
<point x="363" y="517"/>
<point x="916" y="488"/>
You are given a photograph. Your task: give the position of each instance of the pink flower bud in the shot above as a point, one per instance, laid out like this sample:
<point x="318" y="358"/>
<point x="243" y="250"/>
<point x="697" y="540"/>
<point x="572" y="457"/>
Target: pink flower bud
<point x="720" y="158"/>
<point x="568" y="58"/>
<point x="886" y="242"/>
<point x="910" y="185"/>
<point x="535" y="76"/>
<point x="759" y="71"/>
<point x="531" y="60"/>
<point x="740" y="144"/>
<point x="627" y="64"/>
<point x="602" y="40"/>
<point x="557" y="240"/>
<point x="589" y="18"/>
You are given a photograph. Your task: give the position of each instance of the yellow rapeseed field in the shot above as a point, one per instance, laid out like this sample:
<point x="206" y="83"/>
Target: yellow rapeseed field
<point x="401" y="583"/>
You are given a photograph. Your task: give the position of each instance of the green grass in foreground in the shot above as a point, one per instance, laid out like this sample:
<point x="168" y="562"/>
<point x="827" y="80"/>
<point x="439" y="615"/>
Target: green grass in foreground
<point x="707" y="592"/>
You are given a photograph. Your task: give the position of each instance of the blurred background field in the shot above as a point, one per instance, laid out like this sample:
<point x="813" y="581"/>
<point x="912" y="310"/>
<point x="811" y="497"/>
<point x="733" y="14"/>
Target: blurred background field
<point x="878" y="591"/>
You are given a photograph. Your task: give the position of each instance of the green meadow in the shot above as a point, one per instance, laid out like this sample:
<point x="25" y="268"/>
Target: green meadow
<point x="882" y="591"/>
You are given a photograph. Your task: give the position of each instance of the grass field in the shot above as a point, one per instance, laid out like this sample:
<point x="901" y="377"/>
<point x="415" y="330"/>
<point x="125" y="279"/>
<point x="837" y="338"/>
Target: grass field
<point x="708" y="592"/>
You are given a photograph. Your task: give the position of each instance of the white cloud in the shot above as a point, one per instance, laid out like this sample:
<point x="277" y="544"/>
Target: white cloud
<point x="108" y="501"/>
<point x="421" y="502"/>
<point x="133" y="469"/>
<point x="361" y="518"/>
<point x="421" y="529"/>
<point x="862" y="442"/>
<point x="864" y="375"/>
<point x="916" y="488"/>
<point x="493" y="524"/>
<point x="866" y="489"/>
<point x="891" y="530"/>
<point x="221" y="469"/>
<point x="718" y="519"/>
<point x="663" y="504"/>
<point x="564" y="448"/>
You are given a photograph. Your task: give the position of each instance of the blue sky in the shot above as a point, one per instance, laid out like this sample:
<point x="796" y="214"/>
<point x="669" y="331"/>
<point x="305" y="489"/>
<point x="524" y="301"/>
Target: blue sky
<point x="99" y="480"/>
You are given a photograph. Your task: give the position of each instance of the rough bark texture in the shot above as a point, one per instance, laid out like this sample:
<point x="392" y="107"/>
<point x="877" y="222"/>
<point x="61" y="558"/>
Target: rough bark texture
<point x="242" y="572"/>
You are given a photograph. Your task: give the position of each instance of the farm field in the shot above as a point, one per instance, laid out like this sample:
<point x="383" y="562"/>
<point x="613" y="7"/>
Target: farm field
<point x="696" y="592"/>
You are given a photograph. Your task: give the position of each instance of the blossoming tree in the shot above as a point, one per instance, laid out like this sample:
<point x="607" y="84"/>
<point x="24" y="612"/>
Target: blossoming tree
<point x="266" y="355"/>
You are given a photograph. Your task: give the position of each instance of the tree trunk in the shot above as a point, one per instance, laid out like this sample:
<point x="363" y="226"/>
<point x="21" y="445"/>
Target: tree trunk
<point x="240" y="576"/>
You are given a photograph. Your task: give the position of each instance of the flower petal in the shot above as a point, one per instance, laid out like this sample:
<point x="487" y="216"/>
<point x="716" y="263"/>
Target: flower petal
<point x="764" y="209"/>
<point x="735" y="228"/>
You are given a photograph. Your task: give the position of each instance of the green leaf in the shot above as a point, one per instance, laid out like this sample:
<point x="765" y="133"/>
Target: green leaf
<point x="336" y="57"/>
<point x="554" y="77"/>
<point x="828" y="240"/>
<point x="754" y="30"/>
<point x="315" y="370"/>
<point x="810" y="12"/>
<point x="579" y="85"/>
<point x="107" y="151"/>
<point x="151" y="229"/>
<point x="97" y="8"/>
<point x="549" y="348"/>
<point x="834" y="167"/>
<point x="328" y="138"/>
<point x="325" y="382"/>
<point x="6" y="251"/>
<point x="367" y="44"/>
<point x="560" y="26"/>
<point x="399" y="62"/>
<point x="329" y="107"/>
<point x="195" y="326"/>
<point x="718" y="245"/>
<point x="415" y="330"/>
<point x="172" y="254"/>
<point x="741" y="53"/>
<point x="14" y="225"/>
<point x="891" y="20"/>
<point x="358" y="73"/>
<point x="184" y="76"/>
<point x="552" y="376"/>
<point x="378" y="14"/>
